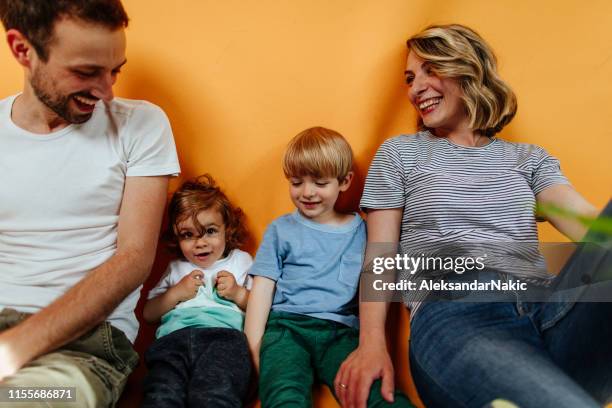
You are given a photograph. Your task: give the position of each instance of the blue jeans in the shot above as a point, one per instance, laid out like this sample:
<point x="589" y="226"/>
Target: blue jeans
<point x="554" y="354"/>
<point x="198" y="367"/>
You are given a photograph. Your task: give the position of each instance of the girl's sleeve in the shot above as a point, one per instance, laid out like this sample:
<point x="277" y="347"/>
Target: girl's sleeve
<point x="243" y="265"/>
<point x="163" y="285"/>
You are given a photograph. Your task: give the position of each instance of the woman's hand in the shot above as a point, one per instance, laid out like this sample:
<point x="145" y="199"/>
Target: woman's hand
<point x="361" y="368"/>
<point x="188" y="287"/>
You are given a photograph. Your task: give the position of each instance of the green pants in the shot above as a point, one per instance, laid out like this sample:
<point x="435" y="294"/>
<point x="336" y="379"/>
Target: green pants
<point x="97" y="364"/>
<point x="297" y="351"/>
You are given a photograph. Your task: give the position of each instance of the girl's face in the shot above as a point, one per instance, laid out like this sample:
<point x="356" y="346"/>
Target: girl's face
<point x="202" y="250"/>
<point x="437" y="100"/>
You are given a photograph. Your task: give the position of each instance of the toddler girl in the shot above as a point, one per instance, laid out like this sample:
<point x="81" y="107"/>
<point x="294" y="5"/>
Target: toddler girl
<point x="200" y="356"/>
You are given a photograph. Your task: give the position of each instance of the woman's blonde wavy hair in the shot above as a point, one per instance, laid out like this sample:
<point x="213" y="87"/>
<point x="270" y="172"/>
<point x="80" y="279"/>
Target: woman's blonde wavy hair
<point x="456" y="51"/>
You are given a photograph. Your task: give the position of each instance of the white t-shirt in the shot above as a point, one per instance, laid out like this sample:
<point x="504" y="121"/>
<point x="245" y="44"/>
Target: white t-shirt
<point x="60" y="195"/>
<point x="237" y="262"/>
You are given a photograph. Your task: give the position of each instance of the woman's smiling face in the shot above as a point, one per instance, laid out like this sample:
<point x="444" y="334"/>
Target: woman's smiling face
<point x="437" y="100"/>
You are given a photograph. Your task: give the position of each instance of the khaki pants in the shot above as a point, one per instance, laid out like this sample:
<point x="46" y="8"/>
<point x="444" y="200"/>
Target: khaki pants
<point x="97" y="364"/>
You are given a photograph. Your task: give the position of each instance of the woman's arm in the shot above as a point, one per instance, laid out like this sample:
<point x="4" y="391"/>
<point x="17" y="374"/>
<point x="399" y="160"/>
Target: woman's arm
<point x="371" y="359"/>
<point x="258" y="310"/>
<point x="564" y="207"/>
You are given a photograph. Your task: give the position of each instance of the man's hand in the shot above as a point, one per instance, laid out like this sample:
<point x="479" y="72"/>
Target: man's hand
<point x="188" y="287"/>
<point x="10" y="357"/>
<point x="357" y="373"/>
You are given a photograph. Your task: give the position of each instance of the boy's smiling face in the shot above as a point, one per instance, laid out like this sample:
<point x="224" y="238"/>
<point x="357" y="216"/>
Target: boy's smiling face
<point x="202" y="247"/>
<point x="315" y="197"/>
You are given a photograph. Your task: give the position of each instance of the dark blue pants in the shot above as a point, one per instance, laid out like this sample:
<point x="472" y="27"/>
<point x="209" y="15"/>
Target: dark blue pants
<point x="198" y="367"/>
<point x="535" y="354"/>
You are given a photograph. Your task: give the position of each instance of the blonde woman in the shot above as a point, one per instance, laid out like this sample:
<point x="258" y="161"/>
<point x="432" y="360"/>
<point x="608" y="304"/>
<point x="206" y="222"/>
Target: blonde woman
<point x="454" y="182"/>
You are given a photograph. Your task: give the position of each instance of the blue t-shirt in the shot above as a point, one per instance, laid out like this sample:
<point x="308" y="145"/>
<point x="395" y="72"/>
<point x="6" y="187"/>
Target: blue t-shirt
<point x="315" y="266"/>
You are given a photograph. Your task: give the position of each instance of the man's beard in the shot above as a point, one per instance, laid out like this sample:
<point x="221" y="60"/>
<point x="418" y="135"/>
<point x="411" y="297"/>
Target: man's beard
<point x="54" y="101"/>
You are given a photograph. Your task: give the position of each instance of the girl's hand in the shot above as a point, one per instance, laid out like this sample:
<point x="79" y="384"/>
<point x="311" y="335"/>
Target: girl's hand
<point x="227" y="287"/>
<point x="188" y="287"/>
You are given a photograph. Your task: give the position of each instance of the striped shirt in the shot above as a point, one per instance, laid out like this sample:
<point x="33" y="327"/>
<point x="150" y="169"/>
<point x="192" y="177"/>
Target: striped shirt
<point x="458" y="194"/>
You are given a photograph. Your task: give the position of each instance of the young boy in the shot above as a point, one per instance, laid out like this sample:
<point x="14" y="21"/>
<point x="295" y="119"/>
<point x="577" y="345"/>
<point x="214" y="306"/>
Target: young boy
<point x="307" y="272"/>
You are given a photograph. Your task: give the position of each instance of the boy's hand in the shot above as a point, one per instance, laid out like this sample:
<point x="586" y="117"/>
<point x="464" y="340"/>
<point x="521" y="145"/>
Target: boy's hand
<point x="188" y="287"/>
<point x="227" y="287"/>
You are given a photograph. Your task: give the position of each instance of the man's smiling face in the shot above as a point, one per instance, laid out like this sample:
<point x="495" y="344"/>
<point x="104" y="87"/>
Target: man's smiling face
<point x="82" y="67"/>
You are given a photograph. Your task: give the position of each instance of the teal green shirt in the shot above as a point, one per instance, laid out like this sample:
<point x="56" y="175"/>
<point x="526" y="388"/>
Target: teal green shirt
<point x="206" y="309"/>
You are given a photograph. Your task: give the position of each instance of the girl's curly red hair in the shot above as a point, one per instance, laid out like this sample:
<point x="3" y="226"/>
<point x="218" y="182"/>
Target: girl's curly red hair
<point x="202" y="193"/>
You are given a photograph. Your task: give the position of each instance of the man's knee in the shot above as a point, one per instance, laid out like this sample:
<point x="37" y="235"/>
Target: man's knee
<point x="93" y="381"/>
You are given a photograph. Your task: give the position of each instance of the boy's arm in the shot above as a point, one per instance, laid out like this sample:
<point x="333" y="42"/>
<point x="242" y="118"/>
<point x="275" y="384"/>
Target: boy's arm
<point x="260" y="302"/>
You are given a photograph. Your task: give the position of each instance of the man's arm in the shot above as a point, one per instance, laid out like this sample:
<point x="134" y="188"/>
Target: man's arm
<point x="371" y="359"/>
<point x="91" y="300"/>
<point x="258" y="310"/>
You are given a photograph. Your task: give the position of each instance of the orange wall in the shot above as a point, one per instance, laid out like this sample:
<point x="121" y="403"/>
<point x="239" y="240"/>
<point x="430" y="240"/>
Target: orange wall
<point x="239" y="78"/>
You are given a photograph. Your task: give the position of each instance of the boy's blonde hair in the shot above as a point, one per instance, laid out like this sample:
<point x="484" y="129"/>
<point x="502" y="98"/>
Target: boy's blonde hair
<point x="318" y="152"/>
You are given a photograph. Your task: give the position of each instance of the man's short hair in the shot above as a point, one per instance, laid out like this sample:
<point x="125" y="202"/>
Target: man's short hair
<point x="36" y="19"/>
<point x="318" y="152"/>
